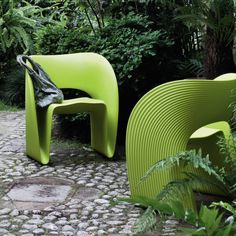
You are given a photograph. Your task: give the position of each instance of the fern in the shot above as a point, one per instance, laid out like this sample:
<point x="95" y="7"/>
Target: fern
<point x="227" y="147"/>
<point x="170" y="200"/>
<point x="146" y="222"/>
<point x="174" y="190"/>
<point x="198" y="181"/>
<point x="187" y="157"/>
<point x="16" y="25"/>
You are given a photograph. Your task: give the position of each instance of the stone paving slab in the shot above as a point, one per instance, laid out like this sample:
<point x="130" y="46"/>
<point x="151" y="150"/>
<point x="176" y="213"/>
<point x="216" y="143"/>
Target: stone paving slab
<point x="69" y="196"/>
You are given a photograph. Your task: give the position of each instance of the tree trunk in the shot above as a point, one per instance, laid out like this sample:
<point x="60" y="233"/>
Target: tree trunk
<point x="218" y="58"/>
<point x="218" y="55"/>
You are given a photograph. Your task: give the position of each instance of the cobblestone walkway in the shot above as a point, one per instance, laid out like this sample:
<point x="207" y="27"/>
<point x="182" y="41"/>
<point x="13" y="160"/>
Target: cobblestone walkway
<point x="69" y="196"/>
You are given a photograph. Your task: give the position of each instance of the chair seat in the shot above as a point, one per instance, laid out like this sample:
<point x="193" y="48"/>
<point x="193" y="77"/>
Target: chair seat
<point x="204" y="132"/>
<point x="212" y="129"/>
<point x="70" y="106"/>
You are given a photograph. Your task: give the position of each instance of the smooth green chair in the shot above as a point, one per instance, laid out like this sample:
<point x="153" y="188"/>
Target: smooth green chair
<point x="163" y="121"/>
<point x="88" y="72"/>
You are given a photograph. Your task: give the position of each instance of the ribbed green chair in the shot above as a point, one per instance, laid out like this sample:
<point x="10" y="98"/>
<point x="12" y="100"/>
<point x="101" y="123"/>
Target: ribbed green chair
<point x="88" y="72"/>
<point x="163" y="121"/>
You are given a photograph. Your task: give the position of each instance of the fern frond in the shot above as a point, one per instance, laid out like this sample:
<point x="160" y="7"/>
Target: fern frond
<point x="175" y="190"/>
<point x="198" y="181"/>
<point x="191" y="157"/>
<point x="147" y="202"/>
<point x="227" y="147"/>
<point x="145" y="223"/>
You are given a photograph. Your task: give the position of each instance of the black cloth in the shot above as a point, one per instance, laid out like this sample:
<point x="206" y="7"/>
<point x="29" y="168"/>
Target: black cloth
<point x="46" y="92"/>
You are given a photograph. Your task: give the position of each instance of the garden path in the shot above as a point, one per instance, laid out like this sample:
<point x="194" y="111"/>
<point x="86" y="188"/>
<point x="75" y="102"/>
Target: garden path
<point x="69" y="196"/>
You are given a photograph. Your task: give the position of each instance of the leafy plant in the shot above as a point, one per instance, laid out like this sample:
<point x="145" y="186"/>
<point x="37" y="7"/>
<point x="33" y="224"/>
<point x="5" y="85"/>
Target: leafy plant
<point x="13" y="90"/>
<point x="209" y="221"/>
<point x="190" y="68"/>
<point x="16" y="25"/>
<point x="215" y="20"/>
<point x="5" y="107"/>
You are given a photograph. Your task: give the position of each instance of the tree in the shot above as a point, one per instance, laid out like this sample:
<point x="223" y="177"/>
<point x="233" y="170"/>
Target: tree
<point x="216" y="22"/>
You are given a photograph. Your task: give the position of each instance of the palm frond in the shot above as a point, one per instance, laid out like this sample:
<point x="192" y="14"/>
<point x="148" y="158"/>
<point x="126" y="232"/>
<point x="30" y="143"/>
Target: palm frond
<point x="191" y="68"/>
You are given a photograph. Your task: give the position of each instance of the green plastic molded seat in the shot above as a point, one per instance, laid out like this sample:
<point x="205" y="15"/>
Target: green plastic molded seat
<point x="88" y="72"/>
<point x="163" y="121"/>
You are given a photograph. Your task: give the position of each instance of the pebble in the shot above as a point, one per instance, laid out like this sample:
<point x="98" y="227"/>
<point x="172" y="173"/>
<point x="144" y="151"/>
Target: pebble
<point x="82" y="233"/>
<point x="29" y="227"/>
<point x="101" y="201"/>
<point x="15" y="212"/>
<point x="67" y="228"/>
<point x="50" y="226"/>
<point x="38" y="231"/>
<point x="83" y="225"/>
<point x="5" y="211"/>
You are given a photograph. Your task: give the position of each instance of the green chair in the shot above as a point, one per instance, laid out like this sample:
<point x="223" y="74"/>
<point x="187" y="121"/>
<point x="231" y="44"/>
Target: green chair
<point x="88" y="72"/>
<point x="164" y="121"/>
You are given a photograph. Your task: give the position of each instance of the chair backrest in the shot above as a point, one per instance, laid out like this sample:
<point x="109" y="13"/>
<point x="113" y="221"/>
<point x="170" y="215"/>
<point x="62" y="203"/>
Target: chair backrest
<point x="163" y="120"/>
<point x="89" y="72"/>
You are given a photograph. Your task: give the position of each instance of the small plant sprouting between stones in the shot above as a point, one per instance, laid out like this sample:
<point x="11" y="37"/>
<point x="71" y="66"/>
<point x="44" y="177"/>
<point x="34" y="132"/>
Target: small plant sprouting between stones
<point x="216" y="220"/>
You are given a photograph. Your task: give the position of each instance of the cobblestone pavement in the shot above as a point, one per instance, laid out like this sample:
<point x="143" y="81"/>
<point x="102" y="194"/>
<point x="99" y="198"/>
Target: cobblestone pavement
<point x="69" y="196"/>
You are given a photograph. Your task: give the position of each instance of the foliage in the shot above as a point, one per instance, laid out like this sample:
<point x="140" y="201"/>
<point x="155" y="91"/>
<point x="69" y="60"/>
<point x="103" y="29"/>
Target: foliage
<point x="146" y="222"/>
<point x="228" y="149"/>
<point x="215" y="20"/>
<point x="57" y="39"/>
<point x="190" y="68"/>
<point x="209" y="221"/>
<point x="5" y="107"/>
<point x="126" y="43"/>
<point x="136" y="52"/>
<point x="13" y="89"/>
<point x="184" y="158"/>
<point x="16" y="25"/>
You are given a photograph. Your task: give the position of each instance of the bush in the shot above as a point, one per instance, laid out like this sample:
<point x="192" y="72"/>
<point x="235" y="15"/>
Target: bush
<point x="129" y="44"/>
<point x="13" y="88"/>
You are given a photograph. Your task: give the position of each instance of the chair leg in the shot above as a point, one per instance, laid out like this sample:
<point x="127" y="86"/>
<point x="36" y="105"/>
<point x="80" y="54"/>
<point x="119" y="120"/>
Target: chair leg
<point x="99" y="131"/>
<point x="45" y="130"/>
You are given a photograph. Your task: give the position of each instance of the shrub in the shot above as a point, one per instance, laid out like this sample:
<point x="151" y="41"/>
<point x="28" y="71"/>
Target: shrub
<point x="170" y="201"/>
<point x="13" y="89"/>
<point x="129" y="44"/>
